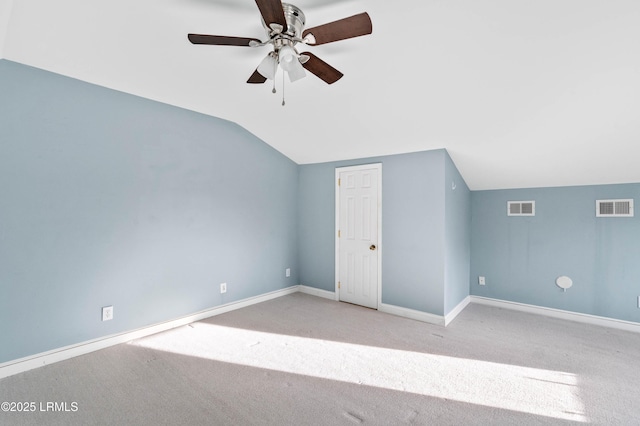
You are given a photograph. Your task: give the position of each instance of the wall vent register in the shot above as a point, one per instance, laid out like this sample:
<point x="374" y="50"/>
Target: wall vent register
<point x="614" y="208"/>
<point x="521" y="208"/>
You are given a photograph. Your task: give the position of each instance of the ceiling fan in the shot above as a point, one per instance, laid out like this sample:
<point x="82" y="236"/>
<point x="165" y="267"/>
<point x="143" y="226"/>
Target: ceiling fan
<point x="284" y="24"/>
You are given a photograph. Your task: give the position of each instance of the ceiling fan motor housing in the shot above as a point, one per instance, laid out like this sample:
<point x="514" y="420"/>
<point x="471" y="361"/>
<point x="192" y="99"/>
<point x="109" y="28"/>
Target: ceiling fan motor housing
<point x="295" y="21"/>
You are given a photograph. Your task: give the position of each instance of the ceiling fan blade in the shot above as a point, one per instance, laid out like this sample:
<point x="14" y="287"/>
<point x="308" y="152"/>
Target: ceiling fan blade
<point x="256" y="78"/>
<point x="321" y="69"/>
<point x="220" y="40"/>
<point x="354" y="26"/>
<point x="272" y="12"/>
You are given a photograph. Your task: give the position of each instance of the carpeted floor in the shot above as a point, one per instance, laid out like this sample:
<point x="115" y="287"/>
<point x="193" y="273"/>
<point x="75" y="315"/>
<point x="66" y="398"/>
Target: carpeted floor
<point x="302" y="360"/>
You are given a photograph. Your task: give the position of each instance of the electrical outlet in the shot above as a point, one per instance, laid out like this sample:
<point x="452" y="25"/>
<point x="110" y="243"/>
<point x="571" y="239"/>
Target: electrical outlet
<point x="638" y="301"/>
<point x="223" y="288"/>
<point x="107" y="313"/>
<point x="481" y="281"/>
<point x="287" y="272"/>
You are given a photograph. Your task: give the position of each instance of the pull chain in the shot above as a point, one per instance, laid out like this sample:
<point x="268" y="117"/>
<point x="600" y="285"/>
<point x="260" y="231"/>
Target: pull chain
<point x="275" y="70"/>
<point x="283" y="73"/>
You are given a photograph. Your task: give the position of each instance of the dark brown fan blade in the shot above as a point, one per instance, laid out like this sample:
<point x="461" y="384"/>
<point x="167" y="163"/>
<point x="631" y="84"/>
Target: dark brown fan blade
<point x="256" y="78"/>
<point x="321" y="69"/>
<point x="220" y="40"/>
<point x="272" y="12"/>
<point x="354" y="26"/>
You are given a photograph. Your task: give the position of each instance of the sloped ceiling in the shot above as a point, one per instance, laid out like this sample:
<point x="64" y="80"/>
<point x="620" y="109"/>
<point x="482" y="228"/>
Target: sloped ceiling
<point x="521" y="93"/>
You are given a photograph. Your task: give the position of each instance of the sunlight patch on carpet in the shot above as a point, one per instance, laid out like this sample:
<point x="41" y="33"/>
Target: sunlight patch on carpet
<point x="548" y="393"/>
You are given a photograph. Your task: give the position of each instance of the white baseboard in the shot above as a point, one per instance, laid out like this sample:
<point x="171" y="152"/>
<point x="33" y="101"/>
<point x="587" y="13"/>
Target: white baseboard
<point x="28" y="363"/>
<point x="411" y="313"/>
<point x="392" y="309"/>
<point x="455" y="311"/>
<point x="317" y="292"/>
<point x="395" y="310"/>
<point x="558" y="313"/>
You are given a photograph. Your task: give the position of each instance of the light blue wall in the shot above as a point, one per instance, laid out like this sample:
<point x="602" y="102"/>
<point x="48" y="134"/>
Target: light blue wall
<point x="413" y="229"/>
<point x="110" y="199"/>
<point x="316" y="225"/>
<point x="457" y="236"/>
<point x="522" y="256"/>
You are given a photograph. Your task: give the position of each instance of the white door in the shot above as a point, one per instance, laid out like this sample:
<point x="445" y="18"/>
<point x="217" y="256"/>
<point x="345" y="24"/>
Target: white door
<point x="358" y="210"/>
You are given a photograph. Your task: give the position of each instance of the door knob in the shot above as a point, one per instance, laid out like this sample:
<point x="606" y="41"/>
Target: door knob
<point x="373" y="247"/>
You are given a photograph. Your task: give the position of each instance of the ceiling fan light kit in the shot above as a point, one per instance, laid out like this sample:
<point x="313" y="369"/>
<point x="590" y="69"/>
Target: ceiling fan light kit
<point x="284" y="24"/>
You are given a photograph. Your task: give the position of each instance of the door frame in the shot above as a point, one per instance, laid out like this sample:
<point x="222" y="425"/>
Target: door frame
<point x="377" y="166"/>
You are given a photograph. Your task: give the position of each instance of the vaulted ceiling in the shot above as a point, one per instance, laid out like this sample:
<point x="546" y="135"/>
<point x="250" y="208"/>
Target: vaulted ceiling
<point x="521" y="93"/>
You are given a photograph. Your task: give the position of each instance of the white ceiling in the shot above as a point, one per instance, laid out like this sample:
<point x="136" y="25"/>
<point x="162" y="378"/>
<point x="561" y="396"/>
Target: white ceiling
<point x="521" y="93"/>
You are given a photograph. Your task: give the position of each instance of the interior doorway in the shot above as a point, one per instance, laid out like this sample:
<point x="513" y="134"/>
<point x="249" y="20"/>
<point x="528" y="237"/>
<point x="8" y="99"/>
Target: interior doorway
<point x="358" y="234"/>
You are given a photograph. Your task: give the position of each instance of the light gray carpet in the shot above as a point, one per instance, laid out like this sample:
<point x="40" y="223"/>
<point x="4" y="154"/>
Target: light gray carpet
<point x="302" y="360"/>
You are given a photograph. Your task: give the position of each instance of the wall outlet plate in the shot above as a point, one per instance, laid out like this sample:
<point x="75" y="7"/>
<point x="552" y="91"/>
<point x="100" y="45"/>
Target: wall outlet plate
<point x="223" y="288"/>
<point x="287" y="272"/>
<point x="481" y="281"/>
<point x="107" y="313"/>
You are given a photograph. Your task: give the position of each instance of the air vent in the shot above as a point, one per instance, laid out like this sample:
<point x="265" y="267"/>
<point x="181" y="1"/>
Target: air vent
<point x="614" y="208"/>
<point x="521" y="208"/>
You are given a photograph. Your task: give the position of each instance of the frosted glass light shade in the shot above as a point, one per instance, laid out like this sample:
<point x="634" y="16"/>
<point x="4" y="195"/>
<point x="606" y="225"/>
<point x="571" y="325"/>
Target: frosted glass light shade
<point x="290" y="63"/>
<point x="287" y="57"/>
<point x="267" y="67"/>
<point x="297" y="72"/>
